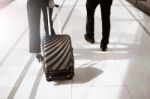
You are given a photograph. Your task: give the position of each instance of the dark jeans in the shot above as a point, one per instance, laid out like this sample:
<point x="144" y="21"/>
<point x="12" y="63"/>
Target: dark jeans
<point x="45" y="18"/>
<point x="105" y="14"/>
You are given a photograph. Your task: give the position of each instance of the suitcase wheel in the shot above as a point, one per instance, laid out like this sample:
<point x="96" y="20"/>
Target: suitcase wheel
<point x="47" y="78"/>
<point x="70" y="76"/>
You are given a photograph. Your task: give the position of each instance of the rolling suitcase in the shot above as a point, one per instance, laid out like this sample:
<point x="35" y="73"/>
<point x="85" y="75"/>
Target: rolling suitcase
<point x="58" y="59"/>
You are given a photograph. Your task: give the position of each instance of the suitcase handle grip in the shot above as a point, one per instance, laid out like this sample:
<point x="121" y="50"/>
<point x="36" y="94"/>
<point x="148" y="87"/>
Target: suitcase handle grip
<point x="56" y="5"/>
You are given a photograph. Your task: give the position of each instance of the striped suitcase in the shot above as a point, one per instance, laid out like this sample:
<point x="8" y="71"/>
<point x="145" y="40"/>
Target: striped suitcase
<point x="58" y="59"/>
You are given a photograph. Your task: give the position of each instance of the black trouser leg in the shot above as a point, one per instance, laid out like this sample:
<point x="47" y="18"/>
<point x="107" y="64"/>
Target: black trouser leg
<point x="33" y="11"/>
<point x="90" y="8"/>
<point x="105" y="13"/>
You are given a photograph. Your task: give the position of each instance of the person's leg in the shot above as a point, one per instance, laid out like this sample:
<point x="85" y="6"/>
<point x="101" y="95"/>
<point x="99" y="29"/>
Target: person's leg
<point x="90" y="8"/>
<point x="51" y="21"/>
<point x="45" y="19"/>
<point x="33" y="11"/>
<point x="105" y="13"/>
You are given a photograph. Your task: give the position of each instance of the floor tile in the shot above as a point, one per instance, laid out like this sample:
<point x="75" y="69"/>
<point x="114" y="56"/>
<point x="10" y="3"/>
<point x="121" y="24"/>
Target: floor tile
<point x="4" y="91"/>
<point x="119" y="92"/>
<point x="120" y="13"/>
<point x="116" y="2"/>
<point x="27" y="85"/>
<point x="146" y="24"/>
<point x="125" y="2"/>
<point x="97" y="74"/>
<point x="137" y="13"/>
<point x="122" y="72"/>
<point x="138" y="85"/>
<point x="54" y="90"/>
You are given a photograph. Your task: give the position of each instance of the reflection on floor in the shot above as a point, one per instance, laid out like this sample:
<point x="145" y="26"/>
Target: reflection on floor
<point x="120" y="73"/>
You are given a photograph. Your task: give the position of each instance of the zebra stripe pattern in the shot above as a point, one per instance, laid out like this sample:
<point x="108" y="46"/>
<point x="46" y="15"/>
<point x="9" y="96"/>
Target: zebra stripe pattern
<point x="57" y="52"/>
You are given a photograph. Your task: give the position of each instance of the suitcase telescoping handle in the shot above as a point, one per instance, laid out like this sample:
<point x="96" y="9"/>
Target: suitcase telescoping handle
<point x="39" y="56"/>
<point x="58" y="17"/>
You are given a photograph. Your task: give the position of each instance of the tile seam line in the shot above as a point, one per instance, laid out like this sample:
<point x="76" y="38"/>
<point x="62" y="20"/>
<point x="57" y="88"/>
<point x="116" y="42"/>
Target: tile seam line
<point x="117" y="65"/>
<point x="147" y="32"/>
<point x="125" y="85"/>
<point x="20" y="78"/>
<point x="128" y="92"/>
<point x="65" y="24"/>
<point x="36" y="84"/>
<point x="62" y="4"/>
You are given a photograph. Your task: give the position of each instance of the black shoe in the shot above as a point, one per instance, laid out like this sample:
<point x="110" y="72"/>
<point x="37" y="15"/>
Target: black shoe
<point x="39" y="57"/>
<point x="89" y="39"/>
<point x="103" y="47"/>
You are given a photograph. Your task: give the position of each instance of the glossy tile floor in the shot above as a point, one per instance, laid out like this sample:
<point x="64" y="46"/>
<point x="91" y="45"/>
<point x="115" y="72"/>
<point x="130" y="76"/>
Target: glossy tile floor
<point x="123" y="72"/>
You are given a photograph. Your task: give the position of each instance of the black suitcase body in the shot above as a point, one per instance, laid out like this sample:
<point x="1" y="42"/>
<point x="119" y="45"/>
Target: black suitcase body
<point x="58" y="59"/>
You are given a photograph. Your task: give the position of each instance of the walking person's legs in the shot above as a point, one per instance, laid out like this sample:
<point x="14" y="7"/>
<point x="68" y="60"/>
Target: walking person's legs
<point x="33" y="11"/>
<point x="105" y="13"/>
<point x="90" y="8"/>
